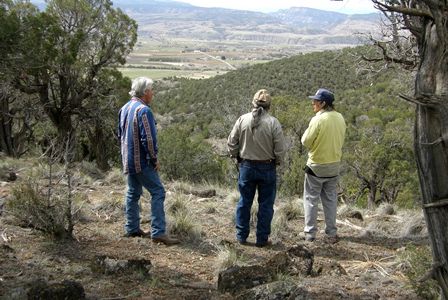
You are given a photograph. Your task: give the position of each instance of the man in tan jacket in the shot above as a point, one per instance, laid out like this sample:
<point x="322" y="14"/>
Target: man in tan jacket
<point x="257" y="142"/>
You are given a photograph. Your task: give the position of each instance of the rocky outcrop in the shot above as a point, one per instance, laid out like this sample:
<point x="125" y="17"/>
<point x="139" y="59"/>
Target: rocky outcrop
<point x="297" y="260"/>
<point x="239" y="278"/>
<point x="109" y="265"/>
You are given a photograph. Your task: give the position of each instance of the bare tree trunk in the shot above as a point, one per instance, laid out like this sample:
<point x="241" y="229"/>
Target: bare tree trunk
<point x="431" y="145"/>
<point x="6" y="122"/>
<point x="98" y="145"/>
<point x="427" y="21"/>
<point x="68" y="160"/>
<point x="371" y="197"/>
<point x="433" y="173"/>
<point x="15" y="127"/>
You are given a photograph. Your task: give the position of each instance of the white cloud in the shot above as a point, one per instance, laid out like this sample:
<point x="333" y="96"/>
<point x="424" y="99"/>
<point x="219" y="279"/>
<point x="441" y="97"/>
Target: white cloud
<point x="345" y="6"/>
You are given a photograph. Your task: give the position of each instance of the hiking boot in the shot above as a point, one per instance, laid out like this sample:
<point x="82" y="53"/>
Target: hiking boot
<point x="331" y="239"/>
<point x="138" y="233"/>
<point x="309" y="238"/>
<point x="241" y="242"/>
<point x="165" y="239"/>
<point x="263" y="244"/>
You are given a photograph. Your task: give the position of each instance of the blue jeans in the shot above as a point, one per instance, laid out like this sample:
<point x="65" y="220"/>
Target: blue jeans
<point x="262" y="178"/>
<point x="148" y="178"/>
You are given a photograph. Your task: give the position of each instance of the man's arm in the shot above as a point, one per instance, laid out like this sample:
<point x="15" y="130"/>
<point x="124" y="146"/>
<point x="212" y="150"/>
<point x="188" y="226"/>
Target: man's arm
<point x="233" y="140"/>
<point x="148" y="133"/>
<point x="310" y="133"/>
<point x="279" y="143"/>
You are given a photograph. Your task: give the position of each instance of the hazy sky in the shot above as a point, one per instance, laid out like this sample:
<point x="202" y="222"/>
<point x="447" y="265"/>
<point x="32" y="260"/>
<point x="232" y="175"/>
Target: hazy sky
<point x="345" y="6"/>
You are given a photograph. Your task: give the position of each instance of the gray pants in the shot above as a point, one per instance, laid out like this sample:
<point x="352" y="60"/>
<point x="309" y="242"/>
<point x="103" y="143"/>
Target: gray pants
<point x="316" y="188"/>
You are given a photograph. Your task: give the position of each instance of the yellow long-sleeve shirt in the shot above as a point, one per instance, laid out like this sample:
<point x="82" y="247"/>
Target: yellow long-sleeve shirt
<point x="324" y="138"/>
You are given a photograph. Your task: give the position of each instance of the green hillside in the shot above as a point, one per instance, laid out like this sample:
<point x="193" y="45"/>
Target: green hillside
<point x="296" y="76"/>
<point x="378" y="156"/>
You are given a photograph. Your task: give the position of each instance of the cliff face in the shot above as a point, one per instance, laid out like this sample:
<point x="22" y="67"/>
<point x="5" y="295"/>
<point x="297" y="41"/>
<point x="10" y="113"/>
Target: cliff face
<point x="293" y="26"/>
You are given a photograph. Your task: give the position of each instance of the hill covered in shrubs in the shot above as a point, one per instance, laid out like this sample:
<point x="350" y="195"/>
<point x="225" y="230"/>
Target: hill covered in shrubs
<point x="378" y="156"/>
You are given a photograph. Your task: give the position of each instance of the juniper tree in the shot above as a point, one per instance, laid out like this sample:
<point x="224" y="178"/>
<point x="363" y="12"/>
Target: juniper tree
<point x="425" y="47"/>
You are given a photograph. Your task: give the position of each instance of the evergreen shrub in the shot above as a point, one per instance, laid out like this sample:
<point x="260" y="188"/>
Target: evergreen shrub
<point x="185" y="158"/>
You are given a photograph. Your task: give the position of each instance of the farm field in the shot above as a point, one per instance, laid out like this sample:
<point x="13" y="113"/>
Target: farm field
<point x="200" y="60"/>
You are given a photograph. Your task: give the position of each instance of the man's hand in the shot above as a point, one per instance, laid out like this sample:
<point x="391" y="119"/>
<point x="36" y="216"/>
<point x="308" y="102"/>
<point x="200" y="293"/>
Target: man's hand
<point x="157" y="166"/>
<point x="238" y="158"/>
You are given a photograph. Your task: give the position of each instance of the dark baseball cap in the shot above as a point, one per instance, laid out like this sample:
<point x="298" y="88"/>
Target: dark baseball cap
<point x="323" y="95"/>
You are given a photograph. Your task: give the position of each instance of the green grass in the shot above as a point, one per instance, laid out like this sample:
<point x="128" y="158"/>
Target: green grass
<point x="152" y="73"/>
<point x="239" y="62"/>
<point x="159" y="74"/>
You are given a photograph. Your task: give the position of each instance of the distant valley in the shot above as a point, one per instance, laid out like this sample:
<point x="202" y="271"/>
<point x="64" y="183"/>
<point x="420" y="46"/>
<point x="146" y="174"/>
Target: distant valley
<point x="179" y="39"/>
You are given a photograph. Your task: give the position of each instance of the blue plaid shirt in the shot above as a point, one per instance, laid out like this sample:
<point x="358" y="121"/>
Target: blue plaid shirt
<point x="138" y="134"/>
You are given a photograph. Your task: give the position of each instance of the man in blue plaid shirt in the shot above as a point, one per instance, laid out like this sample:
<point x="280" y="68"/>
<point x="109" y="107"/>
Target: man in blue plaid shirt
<point x="138" y="135"/>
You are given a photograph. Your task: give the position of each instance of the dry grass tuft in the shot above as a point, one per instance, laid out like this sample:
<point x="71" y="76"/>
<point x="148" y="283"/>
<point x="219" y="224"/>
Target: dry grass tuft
<point x="253" y="215"/>
<point x="279" y="227"/>
<point x="383" y="265"/>
<point x="210" y="208"/>
<point x="414" y="224"/>
<point x="233" y="197"/>
<point x="109" y="208"/>
<point x="380" y="227"/>
<point x="180" y="186"/>
<point x="88" y="168"/>
<point x="182" y="222"/>
<point x="179" y="203"/>
<point x="115" y="177"/>
<point x="386" y="209"/>
<point x="228" y="257"/>
<point x="185" y="227"/>
<point x="291" y="209"/>
<point x="285" y="277"/>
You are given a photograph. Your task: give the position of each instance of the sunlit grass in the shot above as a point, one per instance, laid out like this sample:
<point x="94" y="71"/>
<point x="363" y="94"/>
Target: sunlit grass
<point x="163" y="73"/>
<point x="152" y="73"/>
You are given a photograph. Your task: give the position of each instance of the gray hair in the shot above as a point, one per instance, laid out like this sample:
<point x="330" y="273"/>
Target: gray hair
<point x="140" y="85"/>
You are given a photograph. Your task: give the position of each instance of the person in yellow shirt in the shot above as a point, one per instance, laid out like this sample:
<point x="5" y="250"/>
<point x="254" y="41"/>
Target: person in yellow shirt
<point x="323" y="138"/>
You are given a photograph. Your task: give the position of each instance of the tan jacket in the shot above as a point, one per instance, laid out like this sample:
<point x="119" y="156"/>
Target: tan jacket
<point x="262" y="143"/>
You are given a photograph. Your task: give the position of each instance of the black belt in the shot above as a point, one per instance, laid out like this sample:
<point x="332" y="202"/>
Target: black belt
<point x="310" y="172"/>
<point x="266" y="161"/>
